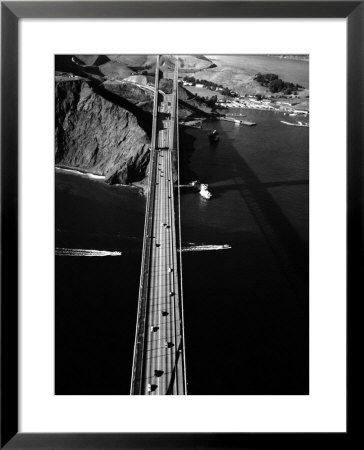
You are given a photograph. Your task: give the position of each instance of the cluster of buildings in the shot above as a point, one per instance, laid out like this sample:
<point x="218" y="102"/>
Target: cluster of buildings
<point x="201" y="85"/>
<point x="269" y="103"/>
<point x="263" y="104"/>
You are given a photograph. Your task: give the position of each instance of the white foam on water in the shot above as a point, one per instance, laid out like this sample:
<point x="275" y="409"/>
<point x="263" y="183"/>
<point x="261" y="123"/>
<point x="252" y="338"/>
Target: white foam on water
<point x="203" y="248"/>
<point x="78" y="172"/>
<point x="84" y="252"/>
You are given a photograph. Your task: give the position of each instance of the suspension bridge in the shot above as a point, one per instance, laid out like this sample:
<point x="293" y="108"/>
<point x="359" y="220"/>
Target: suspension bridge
<point x="159" y="366"/>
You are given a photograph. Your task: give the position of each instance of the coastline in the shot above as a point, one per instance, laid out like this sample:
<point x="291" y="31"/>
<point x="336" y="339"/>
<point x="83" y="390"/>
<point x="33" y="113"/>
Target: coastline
<point x="78" y="171"/>
<point x="304" y="58"/>
<point x="259" y="106"/>
<point x="197" y="123"/>
<point x="92" y="176"/>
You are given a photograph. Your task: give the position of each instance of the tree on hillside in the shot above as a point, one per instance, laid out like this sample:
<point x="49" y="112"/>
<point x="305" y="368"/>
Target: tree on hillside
<point x="276" y="85"/>
<point x="225" y="92"/>
<point x="211" y="101"/>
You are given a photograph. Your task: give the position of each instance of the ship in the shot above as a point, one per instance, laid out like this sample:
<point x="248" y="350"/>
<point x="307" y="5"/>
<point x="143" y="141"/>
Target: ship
<point x="247" y="123"/>
<point x="238" y="121"/>
<point x="204" y="192"/>
<point x="214" y="137"/>
<point x="202" y="189"/>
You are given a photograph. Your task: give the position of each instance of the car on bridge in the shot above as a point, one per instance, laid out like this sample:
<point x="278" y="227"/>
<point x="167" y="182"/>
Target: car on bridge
<point x="152" y="387"/>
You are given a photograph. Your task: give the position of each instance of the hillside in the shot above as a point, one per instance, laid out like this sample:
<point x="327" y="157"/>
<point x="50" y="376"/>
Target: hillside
<point x="95" y="135"/>
<point x="104" y="127"/>
<point x="187" y="62"/>
<point x="237" y="72"/>
<point x="115" y="69"/>
<point x="123" y="66"/>
<point x="92" y="60"/>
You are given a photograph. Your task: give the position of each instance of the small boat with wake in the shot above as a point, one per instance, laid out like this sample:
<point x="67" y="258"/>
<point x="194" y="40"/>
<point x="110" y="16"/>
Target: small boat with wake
<point x="202" y="189"/>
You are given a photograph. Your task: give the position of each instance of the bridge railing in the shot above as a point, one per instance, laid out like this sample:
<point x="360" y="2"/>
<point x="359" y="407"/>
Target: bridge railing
<point x="139" y="345"/>
<point x="179" y="231"/>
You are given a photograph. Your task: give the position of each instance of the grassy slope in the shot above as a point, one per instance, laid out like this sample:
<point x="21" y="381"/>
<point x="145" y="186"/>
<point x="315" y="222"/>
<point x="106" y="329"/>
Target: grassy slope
<point x="115" y="69"/>
<point x="237" y="71"/>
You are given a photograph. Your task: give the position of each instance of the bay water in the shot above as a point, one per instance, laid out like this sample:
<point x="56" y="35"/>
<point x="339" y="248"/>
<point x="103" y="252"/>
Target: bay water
<point x="245" y="307"/>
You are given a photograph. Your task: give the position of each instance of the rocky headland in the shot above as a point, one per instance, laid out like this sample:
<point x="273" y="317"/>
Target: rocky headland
<point x="103" y="126"/>
<point x="97" y="135"/>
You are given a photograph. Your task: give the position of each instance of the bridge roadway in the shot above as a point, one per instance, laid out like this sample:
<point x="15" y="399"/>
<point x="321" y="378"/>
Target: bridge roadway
<point x="158" y="365"/>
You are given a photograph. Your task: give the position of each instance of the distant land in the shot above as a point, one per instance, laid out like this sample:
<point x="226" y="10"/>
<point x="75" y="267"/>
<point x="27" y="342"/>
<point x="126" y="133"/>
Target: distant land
<point x="104" y="103"/>
<point x="104" y="107"/>
<point x="238" y="71"/>
<point x="296" y="57"/>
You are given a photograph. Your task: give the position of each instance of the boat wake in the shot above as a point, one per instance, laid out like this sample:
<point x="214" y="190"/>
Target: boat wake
<point x="84" y="252"/>
<point x="298" y="124"/>
<point x="191" y="247"/>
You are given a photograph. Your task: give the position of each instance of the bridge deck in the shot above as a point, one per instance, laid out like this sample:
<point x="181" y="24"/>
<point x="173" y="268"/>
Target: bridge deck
<point x="159" y="356"/>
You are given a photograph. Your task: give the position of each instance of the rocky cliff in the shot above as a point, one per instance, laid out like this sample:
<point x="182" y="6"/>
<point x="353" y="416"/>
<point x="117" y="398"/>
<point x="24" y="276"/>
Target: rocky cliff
<point x="95" y="134"/>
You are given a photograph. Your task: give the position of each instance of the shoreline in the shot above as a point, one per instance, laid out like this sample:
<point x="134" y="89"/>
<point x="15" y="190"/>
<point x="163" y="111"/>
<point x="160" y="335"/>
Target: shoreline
<point x="269" y="108"/>
<point x="198" y="126"/>
<point x="93" y="176"/>
<point x="78" y="171"/>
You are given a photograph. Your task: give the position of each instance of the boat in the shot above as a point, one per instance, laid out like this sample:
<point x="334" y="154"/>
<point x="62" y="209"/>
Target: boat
<point x="247" y="123"/>
<point x="214" y="137"/>
<point x="202" y="189"/>
<point x="204" y="192"/>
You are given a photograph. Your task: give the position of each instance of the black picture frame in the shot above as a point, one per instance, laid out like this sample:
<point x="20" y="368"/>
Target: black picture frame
<point x="11" y="12"/>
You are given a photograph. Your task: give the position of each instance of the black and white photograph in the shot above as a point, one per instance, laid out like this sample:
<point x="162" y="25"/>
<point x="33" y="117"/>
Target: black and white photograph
<point x="182" y="224"/>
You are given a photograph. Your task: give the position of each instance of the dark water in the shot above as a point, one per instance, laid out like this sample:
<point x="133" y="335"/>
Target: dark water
<point x="96" y="297"/>
<point x="246" y="308"/>
<point x="246" y="311"/>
